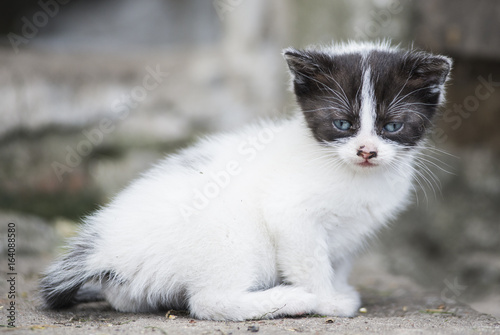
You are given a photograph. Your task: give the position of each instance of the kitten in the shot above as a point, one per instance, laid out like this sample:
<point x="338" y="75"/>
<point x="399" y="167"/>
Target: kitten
<point x="263" y="222"/>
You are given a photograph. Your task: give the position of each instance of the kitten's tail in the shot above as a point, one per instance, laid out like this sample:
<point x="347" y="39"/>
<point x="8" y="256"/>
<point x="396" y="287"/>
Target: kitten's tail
<point x="60" y="285"/>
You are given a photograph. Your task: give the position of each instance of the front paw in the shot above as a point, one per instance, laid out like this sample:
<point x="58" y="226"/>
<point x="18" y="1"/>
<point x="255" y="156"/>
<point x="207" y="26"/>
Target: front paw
<point x="340" y="304"/>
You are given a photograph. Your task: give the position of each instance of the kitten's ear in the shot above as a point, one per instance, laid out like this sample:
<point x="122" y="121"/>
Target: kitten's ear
<point x="433" y="68"/>
<point x="301" y="64"/>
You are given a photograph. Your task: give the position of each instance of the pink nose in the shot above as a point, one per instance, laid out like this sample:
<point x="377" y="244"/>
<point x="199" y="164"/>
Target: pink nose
<point x="366" y="154"/>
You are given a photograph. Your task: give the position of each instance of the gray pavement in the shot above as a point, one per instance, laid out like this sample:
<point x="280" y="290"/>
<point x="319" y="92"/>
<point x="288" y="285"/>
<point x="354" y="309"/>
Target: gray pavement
<point x="396" y="306"/>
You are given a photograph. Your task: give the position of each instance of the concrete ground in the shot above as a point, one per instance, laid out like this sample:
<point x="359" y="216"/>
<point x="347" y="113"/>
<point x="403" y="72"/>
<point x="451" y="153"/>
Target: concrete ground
<point x="393" y="305"/>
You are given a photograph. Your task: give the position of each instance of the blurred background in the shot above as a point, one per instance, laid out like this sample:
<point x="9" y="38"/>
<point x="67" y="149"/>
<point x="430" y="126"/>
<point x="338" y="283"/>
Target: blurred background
<point x="92" y="93"/>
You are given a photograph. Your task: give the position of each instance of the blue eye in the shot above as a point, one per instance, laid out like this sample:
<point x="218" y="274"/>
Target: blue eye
<point x="342" y="124"/>
<point x="392" y="127"/>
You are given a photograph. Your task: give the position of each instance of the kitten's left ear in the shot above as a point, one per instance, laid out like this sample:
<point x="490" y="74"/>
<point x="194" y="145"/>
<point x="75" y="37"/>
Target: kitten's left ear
<point x="433" y="68"/>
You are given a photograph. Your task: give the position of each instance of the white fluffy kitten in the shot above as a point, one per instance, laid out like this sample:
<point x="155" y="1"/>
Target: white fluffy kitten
<point x="263" y="222"/>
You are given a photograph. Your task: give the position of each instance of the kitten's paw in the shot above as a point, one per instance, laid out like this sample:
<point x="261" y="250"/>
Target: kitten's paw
<point x="285" y="300"/>
<point x="340" y="305"/>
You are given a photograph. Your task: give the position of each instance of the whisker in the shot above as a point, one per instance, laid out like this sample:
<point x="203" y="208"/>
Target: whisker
<point x="427" y="160"/>
<point x="335" y="102"/>
<point x="412" y="92"/>
<point x="432" y="160"/>
<point x="330" y="76"/>
<point x="423" y="175"/>
<point x="329" y="89"/>
<point x="403" y="111"/>
<point x="441" y="151"/>
<point x="404" y="174"/>
<point x="425" y="170"/>
<point x="401" y="90"/>
<point x="317" y="109"/>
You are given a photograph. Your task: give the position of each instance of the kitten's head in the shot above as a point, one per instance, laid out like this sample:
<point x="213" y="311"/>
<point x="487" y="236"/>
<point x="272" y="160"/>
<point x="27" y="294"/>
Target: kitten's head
<point x="370" y="103"/>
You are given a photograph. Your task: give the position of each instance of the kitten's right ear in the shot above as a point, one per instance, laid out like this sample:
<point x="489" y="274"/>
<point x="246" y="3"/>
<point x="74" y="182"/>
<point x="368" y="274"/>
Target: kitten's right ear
<point x="301" y="64"/>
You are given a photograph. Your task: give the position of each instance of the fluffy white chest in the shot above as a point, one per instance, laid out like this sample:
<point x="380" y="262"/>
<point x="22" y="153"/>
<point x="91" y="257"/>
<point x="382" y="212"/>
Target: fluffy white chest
<point x="348" y="209"/>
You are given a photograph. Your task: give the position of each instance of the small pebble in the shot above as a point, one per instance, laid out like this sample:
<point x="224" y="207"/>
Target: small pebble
<point x="363" y="310"/>
<point x="253" y="328"/>
<point x="169" y="315"/>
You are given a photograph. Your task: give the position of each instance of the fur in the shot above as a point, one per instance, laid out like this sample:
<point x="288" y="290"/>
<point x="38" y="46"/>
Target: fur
<point x="264" y="222"/>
